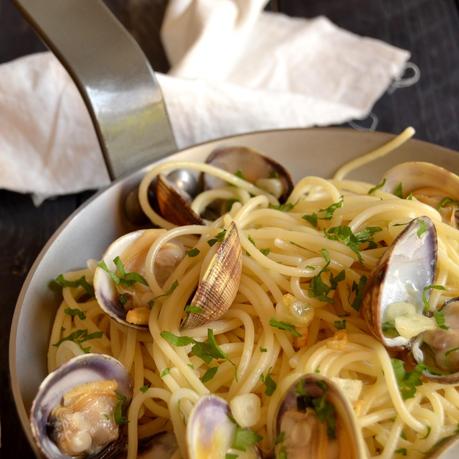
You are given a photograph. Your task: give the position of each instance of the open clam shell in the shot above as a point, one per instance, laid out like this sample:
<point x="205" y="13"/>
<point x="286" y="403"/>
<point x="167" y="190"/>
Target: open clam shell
<point x="446" y="449"/>
<point x="253" y="166"/>
<point x="431" y="184"/>
<point x="402" y="274"/>
<point x="104" y="288"/>
<point x="220" y="283"/>
<point x="210" y="431"/>
<point x="314" y="419"/>
<point x="438" y="349"/>
<point x="88" y="368"/>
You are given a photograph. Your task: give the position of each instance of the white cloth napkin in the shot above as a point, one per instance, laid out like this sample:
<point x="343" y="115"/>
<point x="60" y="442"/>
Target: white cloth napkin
<point x="234" y="69"/>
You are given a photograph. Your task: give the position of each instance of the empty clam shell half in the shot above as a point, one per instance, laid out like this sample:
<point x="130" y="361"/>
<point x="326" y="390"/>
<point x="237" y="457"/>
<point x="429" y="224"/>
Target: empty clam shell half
<point x="85" y="378"/>
<point x="400" y="279"/>
<point x="254" y="167"/>
<point x="220" y="283"/>
<point x="315" y="420"/>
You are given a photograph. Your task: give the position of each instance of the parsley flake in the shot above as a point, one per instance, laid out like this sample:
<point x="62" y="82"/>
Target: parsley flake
<point x="425" y="291"/>
<point x="209" y="374"/>
<point x="407" y="380"/>
<point x="60" y="281"/>
<point x="245" y="438"/>
<point x="120" y="276"/>
<point x="340" y="324"/>
<point x="445" y="202"/>
<point x="79" y="337"/>
<point x="439" y="317"/>
<point x="359" y="290"/>
<point x="194" y="252"/>
<point x="398" y="191"/>
<point x="284" y="326"/>
<point x="401" y="451"/>
<point x="270" y="384"/>
<point x="120" y="419"/>
<point x="72" y="312"/>
<point x="192" y="309"/>
<point x="165" y="372"/>
<point x="378" y="186"/>
<point x="218" y="238"/>
<point x="422" y="228"/>
<point x="144" y="388"/>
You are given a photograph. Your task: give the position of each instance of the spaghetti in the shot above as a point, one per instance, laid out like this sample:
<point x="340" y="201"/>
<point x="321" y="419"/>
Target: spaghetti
<point x="296" y="311"/>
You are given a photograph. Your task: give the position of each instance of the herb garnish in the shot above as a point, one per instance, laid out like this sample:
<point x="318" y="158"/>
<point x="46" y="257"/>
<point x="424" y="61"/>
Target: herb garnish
<point x="359" y="290"/>
<point x="79" y="337"/>
<point x="72" y="312"/>
<point x="209" y="374"/>
<point x="398" y="191"/>
<point x="439" y="317"/>
<point x="284" y="326"/>
<point x="263" y="349"/>
<point x="401" y="451"/>
<point x="340" y="324"/>
<point x="245" y="438"/>
<point x="422" y="228"/>
<point x="425" y="290"/>
<point x="120" y="276"/>
<point x="120" y="419"/>
<point x="378" y="186"/>
<point x="194" y="252"/>
<point x="168" y="292"/>
<point x="218" y="238"/>
<point x="407" y="380"/>
<point x="323" y="214"/>
<point x="445" y="202"/>
<point x="144" y="388"/>
<point x="60" y="282"/>
<point x="286" y="207"/>
<point x="192" y="309"/>
<point x="165" y="372"/>
<point x="270" y="384"/>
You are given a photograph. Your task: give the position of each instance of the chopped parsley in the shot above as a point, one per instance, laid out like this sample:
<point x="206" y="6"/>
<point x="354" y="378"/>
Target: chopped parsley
<point x="263" y="349"/>
<point x="270" y="384"/>
<point x="120" y="276"/>
<point x="284" y="326"/>
<point x="123" y="298"/>
<point x="209" y="374"/>
<point x="439" y="317"/>
<point x="323" y="214"/>
<point x="244" y="438"/>
<point x="445" y="202"/>
<point x="425" y="291"/>
<point x="79" y="337"/>
<point x="422" y="228"/>
<point x="218" y="238"/>
<point x="192" y="309"/>
<point x="231" y="456"/>
<point x="340" y="324"/>
<point x="401" y="451"/>
<point x="118" y="415"/>
<point x="165" y="372"/>
<point x="345" y="235"/>
<point x="178" y="341"/>
<point x="144" y="388"/>
<point x="72" y="312"/>
<point x="407" y="380"/>
<point x="168" y="292"/>
<point x="398" y="191"/>
<point x="378" y="186"/>
<point x="265" y="251"/>
<point x="240" y="174"/>
<point x="60" y="282"/>
<point x="286" y="207"/>
<point x="359" y="290"/>
<point x="194" y="252"/>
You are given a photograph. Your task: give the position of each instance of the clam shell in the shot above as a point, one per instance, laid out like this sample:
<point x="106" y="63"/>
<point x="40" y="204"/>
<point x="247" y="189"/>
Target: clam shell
<point x="252" y="164"/>
<point x="402" y="273"/>
<point x="174" y="203"/>
<point x="79" y="370"/>
<point x="210" y="431"/>
<point x="419" y="357"/>
<point x="104" y="288"/>
<point x="220" y="283"/>
<point x="447" y="449"/>
<point x="417" y="174"/>
<point x="316" y="386"/>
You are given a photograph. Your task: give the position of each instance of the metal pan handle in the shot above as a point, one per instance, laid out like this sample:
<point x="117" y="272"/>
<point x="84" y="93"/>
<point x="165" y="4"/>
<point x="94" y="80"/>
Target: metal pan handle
<point x="113" y="76"/>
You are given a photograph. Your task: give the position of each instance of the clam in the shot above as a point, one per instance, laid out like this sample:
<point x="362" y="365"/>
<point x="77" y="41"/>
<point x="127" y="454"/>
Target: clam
<point x="160" y="446"/>
<point x="253" y="167"/>
<point x="220" y="283"/>
<point x="174" y="202"/>
<point x="428" y="183"/>
<point x="211" y="431"/>
<point x="393" y="305"/>
<point x="445" y="449"/>
<point x="77" y="410"/>
<point x="438" y="348"/>
<point x="127" y="302"/>
<point x="314" y="419"/>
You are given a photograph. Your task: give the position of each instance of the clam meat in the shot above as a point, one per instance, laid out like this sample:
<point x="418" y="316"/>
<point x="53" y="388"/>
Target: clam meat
<point x="79" y="409"/>
<point x="393" y="305"/>
<point x="315" y="420"/>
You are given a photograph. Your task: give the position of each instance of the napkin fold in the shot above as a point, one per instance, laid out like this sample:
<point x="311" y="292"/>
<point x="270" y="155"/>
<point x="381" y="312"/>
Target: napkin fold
<point x="234" y="69"/>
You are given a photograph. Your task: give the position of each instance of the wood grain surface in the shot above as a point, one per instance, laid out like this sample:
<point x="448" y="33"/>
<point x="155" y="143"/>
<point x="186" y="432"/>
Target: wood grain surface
<point x="429" y="29"/>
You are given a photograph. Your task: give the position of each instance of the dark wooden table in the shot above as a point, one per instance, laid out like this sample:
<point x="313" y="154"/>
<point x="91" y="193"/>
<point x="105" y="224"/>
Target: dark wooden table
<point x="429" y="29"/>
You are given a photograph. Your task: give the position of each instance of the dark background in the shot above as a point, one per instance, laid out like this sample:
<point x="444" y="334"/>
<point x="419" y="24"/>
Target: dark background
<point x="429" y="29"/>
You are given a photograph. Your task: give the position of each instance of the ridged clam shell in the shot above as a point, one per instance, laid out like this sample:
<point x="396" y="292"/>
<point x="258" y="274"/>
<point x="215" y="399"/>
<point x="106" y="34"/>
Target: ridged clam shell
<point x="174" y="204"/>
<point x="220" y="283"/>
<point x="410" y="260"/>
<point x="79" y="370"/>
